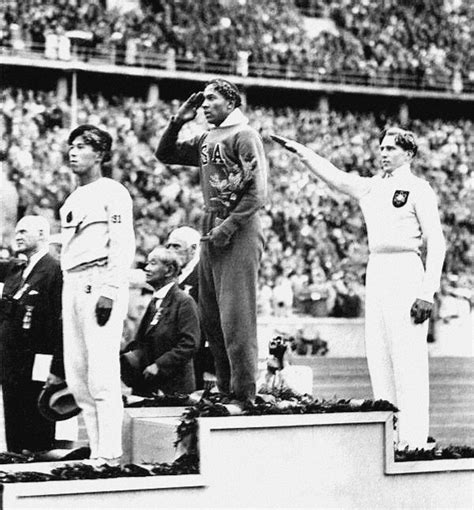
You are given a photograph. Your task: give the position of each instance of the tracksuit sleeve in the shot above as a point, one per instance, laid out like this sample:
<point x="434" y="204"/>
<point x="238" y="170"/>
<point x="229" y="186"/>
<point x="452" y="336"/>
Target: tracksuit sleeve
<point x="172" y="152"/>
<point x="121" y="241"/>
<point x="428" y="216"/>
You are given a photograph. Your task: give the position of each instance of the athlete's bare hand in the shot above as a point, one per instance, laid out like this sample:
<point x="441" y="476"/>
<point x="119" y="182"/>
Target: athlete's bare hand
<point x="292" y="146"/>
<point x="188" y="110"/>
<point x="420" y="311"/>
<point x="150" y="371"/>
<point x="103" y="309"/>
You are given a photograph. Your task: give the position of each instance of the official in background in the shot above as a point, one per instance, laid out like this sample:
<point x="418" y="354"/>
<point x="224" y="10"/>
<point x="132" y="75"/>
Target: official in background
<point x="160" y="358"/>
<point x="98" y="247"/>
<point x="401" y="213"/>
<point x="233" y="174"/>
<point x="184" y="241"/>
<point x="30" y="335"/>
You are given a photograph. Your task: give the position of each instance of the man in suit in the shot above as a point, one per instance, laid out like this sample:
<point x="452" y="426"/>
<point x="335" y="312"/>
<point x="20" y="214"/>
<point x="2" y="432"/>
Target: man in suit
<point x="184" y="241"/>
<point x="161" y="355"/>
<point x="31" y="335"/>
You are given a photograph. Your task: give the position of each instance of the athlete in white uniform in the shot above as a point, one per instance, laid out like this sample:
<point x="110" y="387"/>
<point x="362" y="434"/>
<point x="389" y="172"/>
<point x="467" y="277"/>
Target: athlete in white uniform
<point x="401" y="212"/>
<point x="98" y="246"/>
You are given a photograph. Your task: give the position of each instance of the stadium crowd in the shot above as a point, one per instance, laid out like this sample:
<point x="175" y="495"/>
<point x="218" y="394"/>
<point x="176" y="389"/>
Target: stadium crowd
<point x="428" y="42"/>
<point x="316" y="248"/>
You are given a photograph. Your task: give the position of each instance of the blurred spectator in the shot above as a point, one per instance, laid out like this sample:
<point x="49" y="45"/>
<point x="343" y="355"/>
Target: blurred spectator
<point x="8" y="209"/>
<point x="348" y="300"/>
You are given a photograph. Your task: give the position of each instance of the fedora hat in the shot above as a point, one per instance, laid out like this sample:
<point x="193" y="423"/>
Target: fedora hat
<point x="56" y="403"/>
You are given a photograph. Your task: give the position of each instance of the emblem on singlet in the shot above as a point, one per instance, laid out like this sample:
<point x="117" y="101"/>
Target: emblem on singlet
<point x="400" y="198"/>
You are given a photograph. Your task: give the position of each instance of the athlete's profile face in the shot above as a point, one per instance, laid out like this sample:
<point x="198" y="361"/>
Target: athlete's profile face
<point x="392" y="155"/>
<point x="82" y="156"/>
<point x="216" y="107"/>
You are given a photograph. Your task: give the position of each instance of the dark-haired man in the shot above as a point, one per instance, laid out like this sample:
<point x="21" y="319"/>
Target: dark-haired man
<point x="98" y="247"/>
<point x="400" y="212"/>
<point x="233" y="174"/>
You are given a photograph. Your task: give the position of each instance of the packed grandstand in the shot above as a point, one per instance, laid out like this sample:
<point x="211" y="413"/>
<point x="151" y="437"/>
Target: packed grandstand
<point x="423" y="44"/>
<point x="316" y="247"/>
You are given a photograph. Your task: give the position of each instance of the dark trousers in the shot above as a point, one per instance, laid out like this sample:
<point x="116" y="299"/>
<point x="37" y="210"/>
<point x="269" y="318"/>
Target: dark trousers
<point x="25" y="428"/>
<point x="228" y="307"/>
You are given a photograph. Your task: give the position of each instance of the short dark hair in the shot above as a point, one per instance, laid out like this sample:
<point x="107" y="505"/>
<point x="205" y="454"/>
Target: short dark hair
<point x="100" y="140"/>
<point x="403" y="138"/>
<point x="227" y="90"/>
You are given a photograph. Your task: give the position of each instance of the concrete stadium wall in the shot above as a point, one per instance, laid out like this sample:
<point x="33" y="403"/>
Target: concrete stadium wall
<point x="345" y="337"/>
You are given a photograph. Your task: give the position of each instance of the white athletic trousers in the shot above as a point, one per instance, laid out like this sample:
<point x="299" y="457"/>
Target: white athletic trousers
<point x="396" y="348"/>
<point x="91" y="358"/>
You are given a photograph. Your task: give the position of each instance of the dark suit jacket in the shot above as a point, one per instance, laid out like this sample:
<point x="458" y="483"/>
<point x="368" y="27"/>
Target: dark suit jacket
<point x="191" y="283"/>
<point x="171" y="343"/>
<point x="44" y="335"/>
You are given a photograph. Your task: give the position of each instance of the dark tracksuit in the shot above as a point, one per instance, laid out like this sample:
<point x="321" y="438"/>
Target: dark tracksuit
<point x="233" y="173"/>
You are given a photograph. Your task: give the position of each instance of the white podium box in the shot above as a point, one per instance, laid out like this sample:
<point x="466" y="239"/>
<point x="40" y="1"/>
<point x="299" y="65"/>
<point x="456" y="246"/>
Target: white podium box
<point x="148" y="434"/>
<point x="340" y="460"/>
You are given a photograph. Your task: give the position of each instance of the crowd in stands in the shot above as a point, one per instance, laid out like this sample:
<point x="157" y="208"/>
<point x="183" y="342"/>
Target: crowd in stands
<point x="316" y="247"/>
<point x="428" y="42"/>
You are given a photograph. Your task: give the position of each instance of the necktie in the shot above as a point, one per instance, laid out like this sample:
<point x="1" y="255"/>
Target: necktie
<point x="386" y="175"/>
<point x="155" y="310"/>
<point x="17" y="284"/>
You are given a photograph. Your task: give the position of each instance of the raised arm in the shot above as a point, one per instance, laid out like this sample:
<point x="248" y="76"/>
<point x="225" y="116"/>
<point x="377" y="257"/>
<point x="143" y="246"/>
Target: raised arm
<point x="169" y="150"/>
<point x="352" y="185"/>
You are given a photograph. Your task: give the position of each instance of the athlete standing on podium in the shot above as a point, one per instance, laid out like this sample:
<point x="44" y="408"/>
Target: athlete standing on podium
<point x="98" y="246"/>
<point x="400" y="212"/>
<point x="233" y="174"/>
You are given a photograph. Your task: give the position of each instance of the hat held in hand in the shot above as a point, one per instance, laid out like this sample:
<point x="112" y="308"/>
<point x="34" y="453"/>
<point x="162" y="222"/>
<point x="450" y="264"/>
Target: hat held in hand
<point x="56" y="403"/>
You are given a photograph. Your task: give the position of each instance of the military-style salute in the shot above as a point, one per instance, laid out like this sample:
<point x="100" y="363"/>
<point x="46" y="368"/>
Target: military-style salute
<point x="98" y="247"/>
<point x="233" y="173"/>
<point x="30" y="333"/>
<point x="401" y="212"/>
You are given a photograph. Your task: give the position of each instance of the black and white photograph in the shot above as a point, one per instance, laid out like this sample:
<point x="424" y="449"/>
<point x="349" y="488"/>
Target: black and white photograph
<point x="236" y="252"/>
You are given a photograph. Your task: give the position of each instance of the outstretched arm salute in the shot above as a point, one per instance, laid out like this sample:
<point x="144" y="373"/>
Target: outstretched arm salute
<point x="352" y="185"/>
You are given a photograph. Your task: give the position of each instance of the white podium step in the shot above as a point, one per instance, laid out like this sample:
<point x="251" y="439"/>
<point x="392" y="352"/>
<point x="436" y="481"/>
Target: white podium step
<point x="340" y="460"/>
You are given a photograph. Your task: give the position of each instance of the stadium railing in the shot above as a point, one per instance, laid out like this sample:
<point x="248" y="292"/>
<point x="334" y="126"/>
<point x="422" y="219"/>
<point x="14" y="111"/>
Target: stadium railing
<point x="288" y="71"/>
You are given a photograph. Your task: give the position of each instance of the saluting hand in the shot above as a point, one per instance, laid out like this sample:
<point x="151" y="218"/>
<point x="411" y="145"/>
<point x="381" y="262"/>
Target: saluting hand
<point x="103" y="309"/>
<point x="420" y="311"/>
<point x="188" y="110"/>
